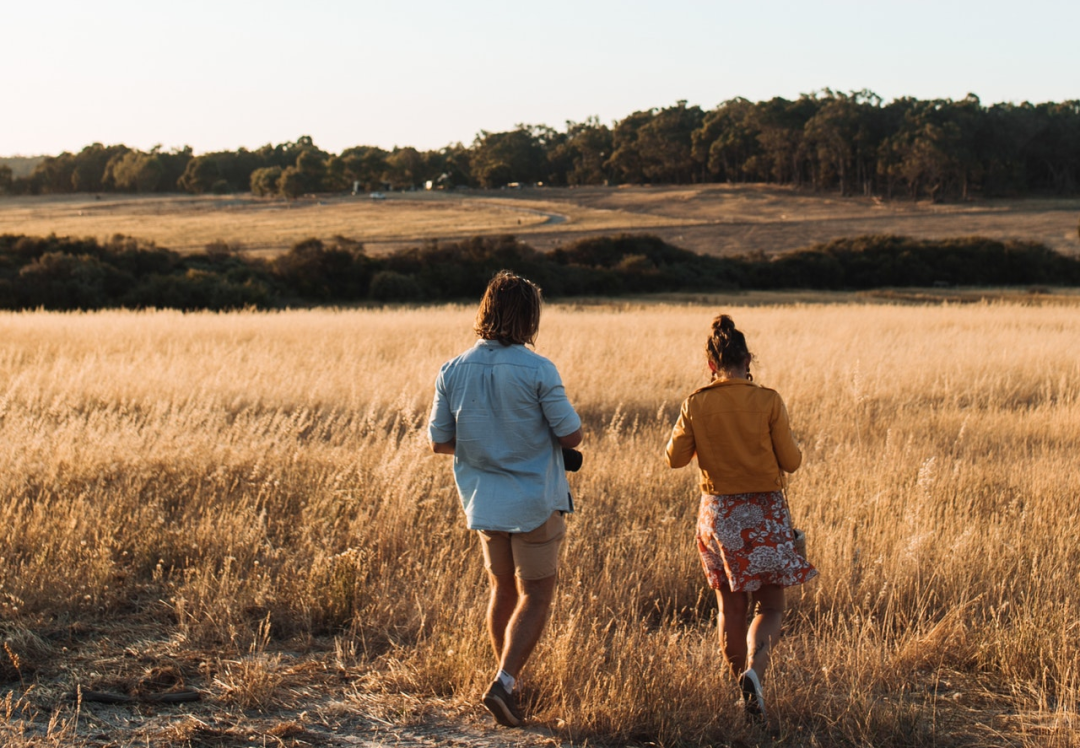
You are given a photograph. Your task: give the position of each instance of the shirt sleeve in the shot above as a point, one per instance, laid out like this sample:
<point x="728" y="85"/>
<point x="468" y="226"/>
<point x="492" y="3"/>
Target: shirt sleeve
<point x="560" y="414"/>
<point x="442" y="427"/>
<point x="681" y="446"/>
<point x="786" y="450"/>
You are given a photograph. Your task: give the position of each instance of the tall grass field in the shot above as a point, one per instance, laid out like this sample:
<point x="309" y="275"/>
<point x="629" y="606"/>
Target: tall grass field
<point x="245" y="505"/>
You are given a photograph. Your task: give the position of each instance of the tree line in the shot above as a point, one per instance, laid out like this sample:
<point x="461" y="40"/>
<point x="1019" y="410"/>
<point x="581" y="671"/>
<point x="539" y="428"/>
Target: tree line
<point x="854" y="143"/>
<point x="63" y="273"/>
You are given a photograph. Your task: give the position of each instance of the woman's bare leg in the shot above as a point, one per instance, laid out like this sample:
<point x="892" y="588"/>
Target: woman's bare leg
<point x="731" y="624"/>
<point x="764" y="633"/>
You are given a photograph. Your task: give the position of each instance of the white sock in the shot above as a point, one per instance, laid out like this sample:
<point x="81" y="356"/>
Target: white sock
<point x="507" y="680"/>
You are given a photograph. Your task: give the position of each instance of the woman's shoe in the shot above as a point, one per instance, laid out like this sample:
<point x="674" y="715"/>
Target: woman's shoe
<point x="753" y="701"/>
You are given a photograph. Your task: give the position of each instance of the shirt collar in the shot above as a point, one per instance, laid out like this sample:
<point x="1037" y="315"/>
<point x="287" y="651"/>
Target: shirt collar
<point x="485" y="343"/>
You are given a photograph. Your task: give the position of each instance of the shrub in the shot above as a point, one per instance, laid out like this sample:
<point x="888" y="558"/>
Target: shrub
<point x="66" y="273"/>
<point x="389" y="286"/>
<point x="196" y="289"/>
<point x="313" y="270"/>
<point x="266" y="182"/>
<point x="62" y="281"/>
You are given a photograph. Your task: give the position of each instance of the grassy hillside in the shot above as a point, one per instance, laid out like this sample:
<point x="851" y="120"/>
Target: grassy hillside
<point x="716" y="220"/>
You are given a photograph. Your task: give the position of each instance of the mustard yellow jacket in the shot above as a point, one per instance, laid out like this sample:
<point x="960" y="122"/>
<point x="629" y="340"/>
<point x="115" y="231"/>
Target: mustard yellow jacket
<point x="741" y="435"/>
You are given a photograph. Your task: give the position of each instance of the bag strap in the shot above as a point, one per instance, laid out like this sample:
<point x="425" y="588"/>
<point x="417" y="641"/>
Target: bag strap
<point x="787" y="508"/>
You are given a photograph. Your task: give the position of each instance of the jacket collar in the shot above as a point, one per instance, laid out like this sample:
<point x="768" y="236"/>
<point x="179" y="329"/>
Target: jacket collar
<point x="725" y="383"/>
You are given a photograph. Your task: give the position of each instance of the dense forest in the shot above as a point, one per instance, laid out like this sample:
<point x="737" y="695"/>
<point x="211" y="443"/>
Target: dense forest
<point x="852" y="143"/>
<point x="67" y="273"/>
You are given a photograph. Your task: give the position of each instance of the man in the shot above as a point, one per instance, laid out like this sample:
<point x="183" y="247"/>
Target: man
<point x="501" y="411"/>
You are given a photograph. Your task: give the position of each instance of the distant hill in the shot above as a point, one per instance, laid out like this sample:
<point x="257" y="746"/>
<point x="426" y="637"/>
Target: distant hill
<point x="21" y="166"/>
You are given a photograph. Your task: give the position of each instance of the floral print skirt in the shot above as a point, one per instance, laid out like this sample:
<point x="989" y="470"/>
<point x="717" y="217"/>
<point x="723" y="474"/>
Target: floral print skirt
<point x="745" y="540"/>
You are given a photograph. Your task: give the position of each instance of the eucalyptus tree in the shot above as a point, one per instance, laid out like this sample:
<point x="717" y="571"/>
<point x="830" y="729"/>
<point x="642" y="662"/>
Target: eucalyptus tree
<point x="842" y="138"/>
<point x="666" y="145"/>
<point x="500" y="158"/>
<point x="365" y="164"/>
<point x="584" y="152"/>
<point x="625" y="162"/>
<point x="780" y="125"/>
<point x="727" y="139"/>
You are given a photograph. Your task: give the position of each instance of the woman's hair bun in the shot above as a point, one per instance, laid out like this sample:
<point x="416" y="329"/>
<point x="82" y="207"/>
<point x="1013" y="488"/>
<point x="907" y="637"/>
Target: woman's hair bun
<point x="726" y="346"/>
<point x="724" y="324"/>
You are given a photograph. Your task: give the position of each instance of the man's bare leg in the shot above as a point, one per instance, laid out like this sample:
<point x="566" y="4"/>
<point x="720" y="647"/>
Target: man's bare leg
<point x="501" y="606"/>
<point x="527" y="622"/>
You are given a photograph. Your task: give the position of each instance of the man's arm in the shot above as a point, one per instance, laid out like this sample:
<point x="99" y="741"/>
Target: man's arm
<point x="442" y="426"/>
<point x="570" y="440"/>
<point x="444" y="448"/>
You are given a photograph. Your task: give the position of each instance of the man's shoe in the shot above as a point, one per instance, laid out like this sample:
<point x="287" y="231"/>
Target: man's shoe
<point x="502" y="704"/>
<point x="753" y="701"/>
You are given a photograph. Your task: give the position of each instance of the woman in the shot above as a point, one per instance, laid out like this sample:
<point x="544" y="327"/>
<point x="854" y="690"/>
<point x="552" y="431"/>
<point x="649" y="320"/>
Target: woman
<point x="740" y="434"/>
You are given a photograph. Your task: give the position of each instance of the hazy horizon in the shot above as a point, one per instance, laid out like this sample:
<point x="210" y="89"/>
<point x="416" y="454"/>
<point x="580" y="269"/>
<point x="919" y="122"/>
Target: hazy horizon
<point x="560" y="127"/>
<point x="427" y="75"/>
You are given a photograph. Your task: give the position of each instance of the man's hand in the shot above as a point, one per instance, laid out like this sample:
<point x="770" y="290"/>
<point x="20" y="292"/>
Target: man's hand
<point x="445" y="448"/>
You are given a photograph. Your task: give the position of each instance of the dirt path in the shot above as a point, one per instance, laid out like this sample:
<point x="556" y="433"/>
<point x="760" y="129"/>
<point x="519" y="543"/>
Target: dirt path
<point x="350" y="719"/>
<point x="318" y="697"/>
<point x="308" y="697"/>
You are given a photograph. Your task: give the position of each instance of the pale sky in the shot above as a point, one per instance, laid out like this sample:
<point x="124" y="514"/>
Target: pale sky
<point x="221" y="74"/>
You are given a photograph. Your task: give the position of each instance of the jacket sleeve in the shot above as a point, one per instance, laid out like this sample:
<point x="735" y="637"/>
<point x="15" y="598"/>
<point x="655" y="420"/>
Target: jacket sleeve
<point x="786" y="450"/>
<point x="680" y="447"/>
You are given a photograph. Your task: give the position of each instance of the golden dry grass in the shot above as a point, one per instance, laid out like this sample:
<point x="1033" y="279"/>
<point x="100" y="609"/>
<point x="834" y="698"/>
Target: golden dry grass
<point x="735" y="219"/>
<point x="711" y="219"/>
<point x="190" y="223"/>
<point x="249" y="500"/>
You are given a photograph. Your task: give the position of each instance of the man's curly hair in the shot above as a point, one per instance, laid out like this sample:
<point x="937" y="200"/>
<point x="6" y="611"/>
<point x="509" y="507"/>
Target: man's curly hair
<point x="510" y="310"/>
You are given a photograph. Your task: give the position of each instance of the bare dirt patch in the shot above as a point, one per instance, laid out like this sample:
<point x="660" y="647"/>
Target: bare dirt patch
<point x="104" y="686"/>
<point x="283" y="697"/>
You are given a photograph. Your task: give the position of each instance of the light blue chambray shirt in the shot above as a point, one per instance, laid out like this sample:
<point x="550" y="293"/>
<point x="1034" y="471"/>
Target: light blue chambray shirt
<point x="505" y="406"/>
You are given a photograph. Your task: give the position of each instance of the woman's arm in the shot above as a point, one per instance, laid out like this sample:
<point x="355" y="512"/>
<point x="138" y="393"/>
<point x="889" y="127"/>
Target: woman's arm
<point x="681" y="447"/>
<point x="788" y="456"/>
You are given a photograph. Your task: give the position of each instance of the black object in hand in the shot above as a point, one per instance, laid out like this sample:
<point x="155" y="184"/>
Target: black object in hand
<point x="571" y="459"/>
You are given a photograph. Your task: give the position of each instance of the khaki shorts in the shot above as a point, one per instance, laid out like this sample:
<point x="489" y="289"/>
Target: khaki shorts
<point x="529" y="555"/>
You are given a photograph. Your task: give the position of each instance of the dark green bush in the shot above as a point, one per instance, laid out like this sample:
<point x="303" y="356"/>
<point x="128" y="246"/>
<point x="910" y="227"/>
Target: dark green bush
<point x="66" y="273"/>
<point x="196" y="289"/>
<point x="56" y="280"/>
<point x="315" y="271"/>
<point x="390" y="286"/>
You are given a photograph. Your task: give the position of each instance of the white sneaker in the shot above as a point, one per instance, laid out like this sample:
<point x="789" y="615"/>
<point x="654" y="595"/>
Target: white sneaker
<point x="753" y="701"/>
